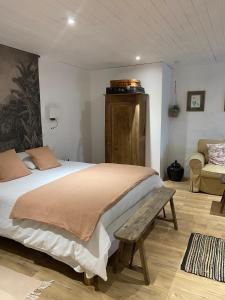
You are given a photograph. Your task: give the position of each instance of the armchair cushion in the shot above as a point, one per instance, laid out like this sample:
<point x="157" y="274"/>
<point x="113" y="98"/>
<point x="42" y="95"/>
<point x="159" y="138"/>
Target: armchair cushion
<point x="213" y="171"/>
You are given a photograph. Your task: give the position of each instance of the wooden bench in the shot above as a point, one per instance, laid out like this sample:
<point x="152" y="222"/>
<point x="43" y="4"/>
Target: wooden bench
<point x="137" y="228"/>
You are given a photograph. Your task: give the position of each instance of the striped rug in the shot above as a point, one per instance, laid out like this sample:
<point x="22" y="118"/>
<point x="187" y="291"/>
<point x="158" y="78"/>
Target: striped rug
<point x="205" y="256"/>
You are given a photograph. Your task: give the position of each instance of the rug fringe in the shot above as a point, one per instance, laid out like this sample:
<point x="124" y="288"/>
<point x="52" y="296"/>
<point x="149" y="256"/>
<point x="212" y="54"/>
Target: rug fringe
<point x="36" y="293"/>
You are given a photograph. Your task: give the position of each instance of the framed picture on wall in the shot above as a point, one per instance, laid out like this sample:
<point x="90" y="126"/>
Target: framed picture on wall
<point x="196" y="101"/>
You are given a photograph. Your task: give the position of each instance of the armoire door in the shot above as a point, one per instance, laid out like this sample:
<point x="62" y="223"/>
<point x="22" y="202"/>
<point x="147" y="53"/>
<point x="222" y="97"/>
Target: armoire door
<point x="119" y="140"/>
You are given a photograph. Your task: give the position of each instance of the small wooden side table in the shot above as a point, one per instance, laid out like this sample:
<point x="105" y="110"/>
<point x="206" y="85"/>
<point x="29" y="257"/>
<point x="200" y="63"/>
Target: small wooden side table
<point x="223" y="196"/>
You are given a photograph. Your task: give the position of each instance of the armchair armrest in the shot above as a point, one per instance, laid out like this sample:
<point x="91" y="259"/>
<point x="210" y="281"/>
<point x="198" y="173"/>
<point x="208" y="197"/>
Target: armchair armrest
<point x="196" y="163"/>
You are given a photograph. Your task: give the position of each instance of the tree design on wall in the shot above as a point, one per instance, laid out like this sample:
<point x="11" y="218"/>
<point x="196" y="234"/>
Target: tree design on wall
<point x="20" y="118"/>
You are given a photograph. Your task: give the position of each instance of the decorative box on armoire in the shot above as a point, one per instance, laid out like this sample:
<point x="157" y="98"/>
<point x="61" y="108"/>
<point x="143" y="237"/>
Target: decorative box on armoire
<point x="125" y="127"/>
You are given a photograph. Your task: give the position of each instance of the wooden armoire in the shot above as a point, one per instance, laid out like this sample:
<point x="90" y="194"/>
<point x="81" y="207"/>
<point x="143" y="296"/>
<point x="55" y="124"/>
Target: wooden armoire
<point x="125" y="127"/>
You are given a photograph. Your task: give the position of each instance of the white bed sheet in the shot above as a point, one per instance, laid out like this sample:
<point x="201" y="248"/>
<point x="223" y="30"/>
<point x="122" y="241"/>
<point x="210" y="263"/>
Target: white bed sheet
<point x="90" y="257"/>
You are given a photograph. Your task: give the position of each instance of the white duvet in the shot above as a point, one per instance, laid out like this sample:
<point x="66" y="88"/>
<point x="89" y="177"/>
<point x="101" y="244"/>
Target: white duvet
<point x="90" y="257"/>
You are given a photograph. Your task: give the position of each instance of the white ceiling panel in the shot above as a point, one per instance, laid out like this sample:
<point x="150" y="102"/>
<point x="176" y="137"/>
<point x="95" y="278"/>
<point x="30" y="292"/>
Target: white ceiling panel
<point x="110" y="33"/>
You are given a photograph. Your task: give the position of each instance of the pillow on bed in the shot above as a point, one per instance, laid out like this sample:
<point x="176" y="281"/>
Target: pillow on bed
<point x="11" y="167"/>
<point x="43" y="158"/>
<point x="27" y="160"/>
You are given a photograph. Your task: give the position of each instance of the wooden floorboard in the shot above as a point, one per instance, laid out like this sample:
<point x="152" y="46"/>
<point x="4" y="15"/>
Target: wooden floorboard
<point x="164" y="247"/>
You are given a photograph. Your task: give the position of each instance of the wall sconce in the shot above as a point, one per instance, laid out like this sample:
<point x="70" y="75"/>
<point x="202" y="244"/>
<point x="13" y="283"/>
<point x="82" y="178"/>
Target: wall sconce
<point x="54" y="115"/>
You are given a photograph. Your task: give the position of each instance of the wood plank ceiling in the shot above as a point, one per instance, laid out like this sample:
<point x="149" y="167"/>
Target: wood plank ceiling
<point x="110" y="33"/>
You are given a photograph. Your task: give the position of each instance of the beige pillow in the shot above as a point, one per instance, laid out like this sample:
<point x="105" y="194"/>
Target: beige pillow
<point x="43" y="158"/>
<point x="11" y="167"/>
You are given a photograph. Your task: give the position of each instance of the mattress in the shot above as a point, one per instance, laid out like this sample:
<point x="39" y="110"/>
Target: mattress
<point x="90" y="257"/>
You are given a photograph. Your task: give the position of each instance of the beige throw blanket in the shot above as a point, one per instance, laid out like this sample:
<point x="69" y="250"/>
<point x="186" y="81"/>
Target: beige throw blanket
<point x="77" y="201"/>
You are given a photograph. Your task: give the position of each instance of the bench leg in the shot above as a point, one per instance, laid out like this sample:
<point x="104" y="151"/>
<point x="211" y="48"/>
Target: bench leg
<point x="222" y="203"/>
<point x="118" y="257"/>
<point x="132" y="255"/>
<point x="164" y="213"/>
<point x="144" y="262"/>
<point x="173" y="214"/>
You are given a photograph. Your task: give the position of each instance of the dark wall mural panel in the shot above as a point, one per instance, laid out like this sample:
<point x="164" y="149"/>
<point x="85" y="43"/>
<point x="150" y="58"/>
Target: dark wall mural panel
<point x="20" y="116"/>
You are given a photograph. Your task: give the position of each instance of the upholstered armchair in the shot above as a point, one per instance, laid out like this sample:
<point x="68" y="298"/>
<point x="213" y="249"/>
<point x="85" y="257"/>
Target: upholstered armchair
<point x="205" y="177"/>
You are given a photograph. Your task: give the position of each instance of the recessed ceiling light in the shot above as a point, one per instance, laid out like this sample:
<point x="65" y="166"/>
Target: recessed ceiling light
<point x="138" y="57"/>
<point x="70" y="21"/>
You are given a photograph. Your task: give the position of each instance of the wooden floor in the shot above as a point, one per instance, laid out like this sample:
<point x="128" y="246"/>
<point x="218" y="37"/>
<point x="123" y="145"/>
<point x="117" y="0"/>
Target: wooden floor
<point x="165" y="248"/>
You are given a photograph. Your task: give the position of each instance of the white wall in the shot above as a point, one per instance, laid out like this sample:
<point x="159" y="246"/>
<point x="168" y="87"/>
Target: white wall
<point x="79" y="95"/>
<point x="191" y="126"/>
<point x="167" y="76"/>
<point x="67" y="88"/>
<point x="151" y="78"/>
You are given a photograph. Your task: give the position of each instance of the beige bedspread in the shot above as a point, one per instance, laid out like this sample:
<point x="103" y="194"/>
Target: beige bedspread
<point x="77" y="201"/>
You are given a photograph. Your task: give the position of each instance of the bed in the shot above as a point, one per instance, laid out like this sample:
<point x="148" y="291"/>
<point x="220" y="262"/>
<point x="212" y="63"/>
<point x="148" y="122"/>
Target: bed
<point x="89" y="257"/>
